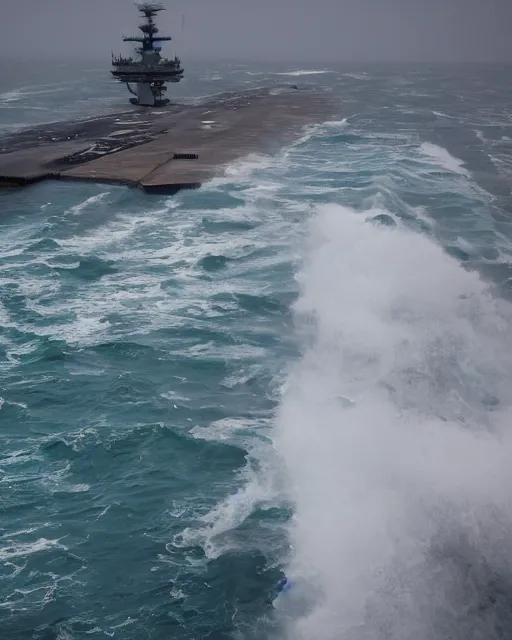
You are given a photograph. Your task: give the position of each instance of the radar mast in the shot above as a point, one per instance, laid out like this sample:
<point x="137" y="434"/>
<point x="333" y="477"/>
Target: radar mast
<point x="150" y="72"/>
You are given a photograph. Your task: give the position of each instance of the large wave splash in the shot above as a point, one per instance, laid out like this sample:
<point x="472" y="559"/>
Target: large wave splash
<point x="394" y="431"/>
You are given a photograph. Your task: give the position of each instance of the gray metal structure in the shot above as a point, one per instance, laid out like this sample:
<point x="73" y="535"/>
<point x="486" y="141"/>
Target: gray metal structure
<point x="150" y="72"/>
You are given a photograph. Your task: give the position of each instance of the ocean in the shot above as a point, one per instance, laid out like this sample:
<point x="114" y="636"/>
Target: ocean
<point x="277" y="406"/>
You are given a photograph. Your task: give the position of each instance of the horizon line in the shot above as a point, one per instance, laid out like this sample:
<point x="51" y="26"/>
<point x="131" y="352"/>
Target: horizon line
<point x="247" y="60"/>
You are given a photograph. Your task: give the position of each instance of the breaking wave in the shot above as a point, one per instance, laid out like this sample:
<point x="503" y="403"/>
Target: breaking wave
<point x="442" y="157"/>
<point x="394" y="432"/>
<point x="304" y="72"/>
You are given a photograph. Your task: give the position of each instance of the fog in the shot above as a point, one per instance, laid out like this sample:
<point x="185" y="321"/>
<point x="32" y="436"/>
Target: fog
<point x="272" y="30"/>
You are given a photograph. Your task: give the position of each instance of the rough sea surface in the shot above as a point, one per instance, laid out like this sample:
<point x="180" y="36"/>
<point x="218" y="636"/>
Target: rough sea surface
<point x="302" y="369"/>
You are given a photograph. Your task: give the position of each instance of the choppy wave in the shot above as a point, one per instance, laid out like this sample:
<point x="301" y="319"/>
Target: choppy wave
<point x="10" y="96"/>
<point x="301" y="369"/>
<point x="443" y="157"/>
<point x="304" y="72"/>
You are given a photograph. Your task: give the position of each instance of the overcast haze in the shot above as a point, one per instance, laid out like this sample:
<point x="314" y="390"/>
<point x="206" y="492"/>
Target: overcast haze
<point x="302" y="30"/>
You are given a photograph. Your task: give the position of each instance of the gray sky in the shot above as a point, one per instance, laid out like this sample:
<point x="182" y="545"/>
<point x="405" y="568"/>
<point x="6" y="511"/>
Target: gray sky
<point x="301" y="30"/>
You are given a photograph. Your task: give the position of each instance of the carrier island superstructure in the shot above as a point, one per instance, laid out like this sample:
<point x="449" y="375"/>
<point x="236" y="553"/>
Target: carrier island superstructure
<point x="146" y="76"/>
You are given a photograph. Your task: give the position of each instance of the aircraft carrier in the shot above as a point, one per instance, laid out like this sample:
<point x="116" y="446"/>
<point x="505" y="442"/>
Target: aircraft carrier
<point x="167" y="148"/>
<point x="150" y="71"/>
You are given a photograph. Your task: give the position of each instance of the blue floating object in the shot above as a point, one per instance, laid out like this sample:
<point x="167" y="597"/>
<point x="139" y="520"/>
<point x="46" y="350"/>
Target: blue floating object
<point x="284" y="585"/>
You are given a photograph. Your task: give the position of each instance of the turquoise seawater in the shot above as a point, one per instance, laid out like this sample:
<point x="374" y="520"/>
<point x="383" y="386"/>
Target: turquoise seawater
<point x="302" y="369"/>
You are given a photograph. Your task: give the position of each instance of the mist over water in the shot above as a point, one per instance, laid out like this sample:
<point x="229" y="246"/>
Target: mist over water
<point x="394" y="428"/>
<point x="301" y="370"/>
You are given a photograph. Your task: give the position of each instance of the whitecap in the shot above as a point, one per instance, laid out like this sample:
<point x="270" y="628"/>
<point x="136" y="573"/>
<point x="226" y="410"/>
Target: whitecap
<point x="440" y="114"/>
<point x="443" y="158"/>
<point x="23" y="549"/>
<point x="304" y="72"/>
<point x="78" y="208"/>
<point x="389" y="487"/>
<point x="11" y="96"/>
